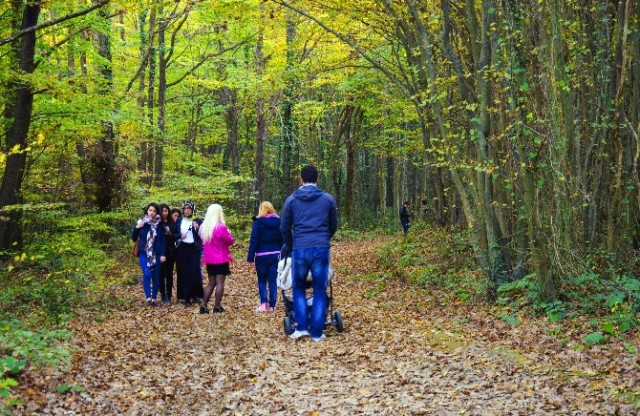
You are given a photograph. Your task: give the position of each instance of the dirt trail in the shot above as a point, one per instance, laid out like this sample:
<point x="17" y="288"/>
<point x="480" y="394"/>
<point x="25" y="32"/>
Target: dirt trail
<point x="401" y="353"/>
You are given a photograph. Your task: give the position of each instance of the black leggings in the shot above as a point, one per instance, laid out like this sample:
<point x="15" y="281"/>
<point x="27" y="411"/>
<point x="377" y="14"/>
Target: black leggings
<point x="166" y="276"/>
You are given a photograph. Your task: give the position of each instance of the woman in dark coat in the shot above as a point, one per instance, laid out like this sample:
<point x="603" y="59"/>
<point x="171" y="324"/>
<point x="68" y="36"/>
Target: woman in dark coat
<point x="264" y="249"/>
<point x="166" y="272"/>
<point x="150" y="238"/>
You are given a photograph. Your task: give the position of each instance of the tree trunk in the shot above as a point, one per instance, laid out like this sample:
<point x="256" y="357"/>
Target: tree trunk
<point x="353" y="124"/>
<point x="81" y="151"/>
<point x="143" y="163"/>
<point x="162" y="93"/>
<point x="11" y="188"/>
<point x="107" y="177"/>
<point x="262" y="125"/>
<point x="288" y="179"/>
<point x="151" y="88"/>
<point x="229" y="99"/>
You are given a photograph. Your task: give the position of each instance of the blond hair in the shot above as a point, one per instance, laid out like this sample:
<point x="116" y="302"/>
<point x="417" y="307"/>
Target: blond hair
<point x="212" y="220"/>
<point x="265" y="209"/>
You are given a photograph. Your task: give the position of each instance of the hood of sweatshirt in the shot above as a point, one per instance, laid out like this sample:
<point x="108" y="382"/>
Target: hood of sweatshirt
<point x="308" y="193"/>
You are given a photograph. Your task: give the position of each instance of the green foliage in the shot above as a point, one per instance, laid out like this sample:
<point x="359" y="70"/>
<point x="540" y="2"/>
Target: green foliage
<point x="613" y="303"/>
<point x="380" y="285"/>
<point x="41" y="348"/>
<point x="555" y="311"/>
<point x="204" y="187"/>
<point x="527" y="287"/>
<point x="510" y="319"/>
<point x="417" y="261"/>
<point x="63" y="388"/>
<point x="594" y="338"/>
<point x="5" y="385"/>
<point x="21" y="348"/>
<point x="345" y="233"/>
<point x="63" y="266"/>
<point x="9" y="367"/>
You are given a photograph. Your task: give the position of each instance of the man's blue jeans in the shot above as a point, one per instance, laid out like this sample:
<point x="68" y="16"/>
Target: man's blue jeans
<point x="316" y="260"/>
<point x="150" y="276"/>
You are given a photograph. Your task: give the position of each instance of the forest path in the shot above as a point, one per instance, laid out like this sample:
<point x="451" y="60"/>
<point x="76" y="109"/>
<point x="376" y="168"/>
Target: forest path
<point x="402" y="353"/>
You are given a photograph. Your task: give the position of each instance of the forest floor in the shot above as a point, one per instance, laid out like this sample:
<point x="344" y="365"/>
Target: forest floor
<point x="402" y="352"/>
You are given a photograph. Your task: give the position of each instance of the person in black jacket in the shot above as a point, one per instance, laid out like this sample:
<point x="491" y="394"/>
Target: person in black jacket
<point x="264" y="249"/>
<point x="166" y="272"/>
<point x="150" y="237"/>
<point x="405" y="217"/>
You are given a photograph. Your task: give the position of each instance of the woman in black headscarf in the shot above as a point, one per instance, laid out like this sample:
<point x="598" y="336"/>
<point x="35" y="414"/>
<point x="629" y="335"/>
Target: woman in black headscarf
<point x="188" y="254"/>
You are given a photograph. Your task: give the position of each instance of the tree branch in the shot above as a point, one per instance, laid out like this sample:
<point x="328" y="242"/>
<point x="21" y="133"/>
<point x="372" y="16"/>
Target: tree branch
<point x="10" y="39"/>
<point x="204" y="59"/>
<point x="376" y="64"/>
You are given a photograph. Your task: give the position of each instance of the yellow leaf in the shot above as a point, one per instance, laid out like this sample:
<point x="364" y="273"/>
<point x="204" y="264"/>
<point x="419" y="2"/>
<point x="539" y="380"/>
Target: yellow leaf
<point x="40" y="138"/>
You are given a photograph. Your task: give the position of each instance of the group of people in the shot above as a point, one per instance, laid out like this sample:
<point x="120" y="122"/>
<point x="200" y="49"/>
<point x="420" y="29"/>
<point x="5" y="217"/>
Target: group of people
<point x="166" y="237"/>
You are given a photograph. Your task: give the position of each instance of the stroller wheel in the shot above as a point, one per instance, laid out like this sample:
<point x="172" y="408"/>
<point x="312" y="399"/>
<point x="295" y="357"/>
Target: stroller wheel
<point x="288" y="326"/>
<point x="338" y="319"/>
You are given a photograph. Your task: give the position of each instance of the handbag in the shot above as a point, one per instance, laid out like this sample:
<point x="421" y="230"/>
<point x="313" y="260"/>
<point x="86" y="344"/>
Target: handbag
<point x="197" y="242"/>
<point x="136" y="251"/>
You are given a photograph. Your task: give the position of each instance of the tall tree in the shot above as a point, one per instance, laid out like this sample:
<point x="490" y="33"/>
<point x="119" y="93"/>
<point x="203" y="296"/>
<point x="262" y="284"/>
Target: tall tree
<point x="107" y="175"/>
<point x="17" y="133"/>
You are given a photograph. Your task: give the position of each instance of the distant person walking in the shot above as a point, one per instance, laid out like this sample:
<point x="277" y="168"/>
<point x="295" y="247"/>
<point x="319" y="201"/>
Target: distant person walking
<point x="216" y="240"/>
<point x="405" y="217"/>
<point x="264" y="249"/>
<point x="309" y="221"/>
<point x="150" y="239"/>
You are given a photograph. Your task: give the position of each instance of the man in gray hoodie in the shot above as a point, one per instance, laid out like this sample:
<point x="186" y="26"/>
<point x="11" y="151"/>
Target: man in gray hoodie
<point x="309" y="221"/>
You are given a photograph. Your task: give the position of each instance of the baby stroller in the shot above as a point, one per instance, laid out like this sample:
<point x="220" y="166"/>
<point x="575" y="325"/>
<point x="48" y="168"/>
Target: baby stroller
<point x="285" y="282"/>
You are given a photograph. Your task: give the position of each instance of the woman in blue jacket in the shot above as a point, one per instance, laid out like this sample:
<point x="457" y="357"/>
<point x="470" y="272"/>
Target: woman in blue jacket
<point x="264" y="249"/>
<point x="150" y="237"/>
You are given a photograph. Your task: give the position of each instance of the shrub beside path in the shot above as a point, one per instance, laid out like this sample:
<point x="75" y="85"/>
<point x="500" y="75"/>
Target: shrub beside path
<point x="403" y="352"/>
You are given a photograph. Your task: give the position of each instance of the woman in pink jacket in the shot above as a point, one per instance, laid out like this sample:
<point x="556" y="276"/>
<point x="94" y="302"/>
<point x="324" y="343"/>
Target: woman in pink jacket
<point x="216" y="240"/>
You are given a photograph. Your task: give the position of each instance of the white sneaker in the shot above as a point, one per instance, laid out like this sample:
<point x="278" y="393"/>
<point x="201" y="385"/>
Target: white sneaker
<point x="319" y="339"/>
<point x="299" y="334"/>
